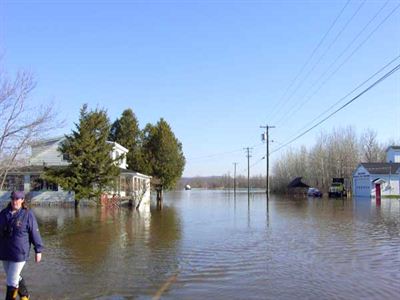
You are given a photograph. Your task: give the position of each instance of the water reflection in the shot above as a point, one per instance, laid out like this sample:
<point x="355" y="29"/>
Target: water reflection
<point x="206" y="245"/>
<point x="298" y="248"/>
<point x="105" y="253"/>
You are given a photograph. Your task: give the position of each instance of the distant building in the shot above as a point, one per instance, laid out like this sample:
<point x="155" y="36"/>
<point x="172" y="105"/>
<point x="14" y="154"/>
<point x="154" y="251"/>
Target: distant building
<point x="45" y="153"/>
<point x="393" y="154"/>
<point x="368" y="177"/>
<point x="297" y="188"/>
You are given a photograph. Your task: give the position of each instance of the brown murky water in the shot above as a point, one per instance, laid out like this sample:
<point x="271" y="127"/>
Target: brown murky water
<point x="205" y="245"/>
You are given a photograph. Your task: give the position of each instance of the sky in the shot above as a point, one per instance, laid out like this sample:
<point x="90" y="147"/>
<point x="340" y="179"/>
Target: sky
<point x="214" y="70"/>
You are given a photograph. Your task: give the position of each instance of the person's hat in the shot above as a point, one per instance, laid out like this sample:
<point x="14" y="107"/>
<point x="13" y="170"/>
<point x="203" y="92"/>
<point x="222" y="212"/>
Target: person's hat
<point x="17" y="195"/>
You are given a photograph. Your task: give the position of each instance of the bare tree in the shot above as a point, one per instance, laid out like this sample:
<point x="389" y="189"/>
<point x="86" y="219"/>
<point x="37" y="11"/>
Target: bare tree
<point x="20" y="124"/>
<point x="334" y="155"/>
<point x="371" y="150"/>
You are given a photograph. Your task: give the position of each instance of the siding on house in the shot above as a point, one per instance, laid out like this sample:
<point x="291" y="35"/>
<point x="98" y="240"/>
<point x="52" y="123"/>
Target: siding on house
<point x="362" y="186"/>
<point x="47" y="153"/>
<point x="393" y="154"/>
<point x="119" y="151"/>
<point x="366" y="173"/>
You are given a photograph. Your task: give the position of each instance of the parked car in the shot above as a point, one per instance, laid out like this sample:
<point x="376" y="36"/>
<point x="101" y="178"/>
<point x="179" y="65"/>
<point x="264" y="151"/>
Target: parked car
<point x="314" y="192"/>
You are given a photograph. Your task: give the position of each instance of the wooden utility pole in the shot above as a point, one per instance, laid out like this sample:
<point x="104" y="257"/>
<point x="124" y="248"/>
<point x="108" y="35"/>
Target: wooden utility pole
<point x="234" y="180"/>
<point x="266" y="138"/>
<point x="248" y="173"/>
<point x="229" y="185"/>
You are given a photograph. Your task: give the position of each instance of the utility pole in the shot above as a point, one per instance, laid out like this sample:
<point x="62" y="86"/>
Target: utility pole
<point x="248" y="173"/>
<point x="266" y="139"/>
<point x="229" y="185"/>
<point x="234" y="180"/>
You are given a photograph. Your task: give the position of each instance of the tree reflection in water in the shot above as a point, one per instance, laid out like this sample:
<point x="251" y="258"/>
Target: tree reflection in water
<point x="96" y="251"/>
<point x="202" y="245"/>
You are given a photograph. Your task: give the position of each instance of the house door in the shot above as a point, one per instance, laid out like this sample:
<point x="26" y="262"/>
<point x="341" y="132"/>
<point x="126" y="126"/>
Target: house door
<point x="378" y="193"/>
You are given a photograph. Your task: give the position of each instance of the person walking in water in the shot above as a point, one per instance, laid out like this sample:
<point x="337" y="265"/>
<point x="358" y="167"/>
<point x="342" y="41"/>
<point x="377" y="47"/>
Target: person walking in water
<point x="18" y="230"/>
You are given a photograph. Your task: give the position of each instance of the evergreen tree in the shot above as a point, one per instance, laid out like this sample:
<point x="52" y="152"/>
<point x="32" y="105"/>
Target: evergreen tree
<point x="91" y="169"/>
<point x="163" y="154"/>
<point x="125" y="131"/>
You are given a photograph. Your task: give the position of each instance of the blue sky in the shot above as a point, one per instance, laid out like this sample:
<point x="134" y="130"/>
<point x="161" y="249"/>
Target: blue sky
<point x="215" y="70"/>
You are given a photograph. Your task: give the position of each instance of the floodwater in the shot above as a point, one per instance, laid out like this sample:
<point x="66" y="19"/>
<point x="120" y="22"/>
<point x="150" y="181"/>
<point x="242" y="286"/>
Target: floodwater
<point x="206" y="245"/>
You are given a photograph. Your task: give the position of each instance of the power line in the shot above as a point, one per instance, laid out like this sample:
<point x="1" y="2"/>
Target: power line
<point x="310" y="57"/>
<point x="357" y="48"/>
<point x="223" y="153"/>
<point x="216" y="154"/>
<point x="257" y="145"/>
<point x="296" y="107"/>
<point x="322" y="56"/>
<point x="391" y="72"/>
<point x="352" y="91"/>
<point x="257" y="162"/>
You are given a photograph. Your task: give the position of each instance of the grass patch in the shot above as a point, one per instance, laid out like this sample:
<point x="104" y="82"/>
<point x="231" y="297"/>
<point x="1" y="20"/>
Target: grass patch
<point x="392" y="196"/>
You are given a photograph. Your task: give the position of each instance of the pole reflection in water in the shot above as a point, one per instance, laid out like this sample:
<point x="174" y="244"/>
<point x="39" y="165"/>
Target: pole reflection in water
<point x="200" y="246"/>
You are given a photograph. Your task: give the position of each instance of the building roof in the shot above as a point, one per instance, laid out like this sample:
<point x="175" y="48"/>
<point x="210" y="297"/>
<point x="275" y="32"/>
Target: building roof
<point x="46" y="141"/>
<point x="295" y="183"/>
<point x="393" y="147"/>
<point x="25" y="169"/>
<point x="119" y="146"/>
<point x="134" y="173"/>
<point x="381" y="168"/>
<point x="39" y="169"/>
<point x="379" y="180"/>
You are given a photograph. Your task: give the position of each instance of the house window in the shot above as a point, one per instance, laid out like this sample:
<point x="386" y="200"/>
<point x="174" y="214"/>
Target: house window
<point x="38" y="184"/>
<point x="52" y="186"/>
<point x="65" y="156"/>
<point x="122" y="183"/>
<point x="14" y="183"/>
<point x="143" y="184"/>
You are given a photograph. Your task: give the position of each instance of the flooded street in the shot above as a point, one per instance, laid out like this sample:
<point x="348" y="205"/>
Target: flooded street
<point x="206" y="245"/>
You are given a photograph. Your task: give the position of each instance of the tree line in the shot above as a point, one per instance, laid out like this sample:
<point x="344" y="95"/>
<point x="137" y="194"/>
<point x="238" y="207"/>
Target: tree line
<point x="334" y="154"/>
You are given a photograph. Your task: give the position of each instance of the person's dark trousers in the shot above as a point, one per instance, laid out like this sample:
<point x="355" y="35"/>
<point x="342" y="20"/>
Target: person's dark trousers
<point x="22" y="290"/>
<point x="12" y="293"/>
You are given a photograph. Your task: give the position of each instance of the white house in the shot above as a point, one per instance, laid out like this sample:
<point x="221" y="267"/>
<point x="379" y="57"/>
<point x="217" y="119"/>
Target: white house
<point x="368" y="177"/>
<point x="130" y="184"/>
<point x="393" y="154"/>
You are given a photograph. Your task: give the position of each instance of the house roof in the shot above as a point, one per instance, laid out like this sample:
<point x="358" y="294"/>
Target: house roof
<point x="393" y="147"/>
<point x="379" y="180"/>
<point x="40" y="169"/>
<point x="26" y="169"/>
<point x="46" y="141"/>
<point x="131" y="172"/>
<point x="295" y="183"/>
<point x="381" y="168"/>
<point x="117" y="145"/>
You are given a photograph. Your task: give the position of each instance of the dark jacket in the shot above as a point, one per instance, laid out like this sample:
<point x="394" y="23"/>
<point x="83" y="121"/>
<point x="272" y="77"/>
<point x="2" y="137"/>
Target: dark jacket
<point x="17" y="233"/>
